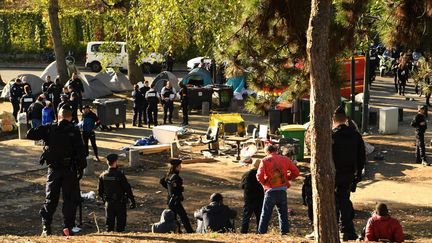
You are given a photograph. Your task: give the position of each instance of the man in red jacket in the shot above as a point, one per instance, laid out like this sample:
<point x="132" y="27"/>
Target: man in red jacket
<point x="383" y="227"/>
<point x="274" y="174"/>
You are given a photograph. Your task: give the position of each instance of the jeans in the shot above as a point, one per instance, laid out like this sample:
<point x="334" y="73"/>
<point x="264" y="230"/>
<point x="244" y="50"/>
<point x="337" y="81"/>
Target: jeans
<point x="345" y="210"/>
<point x="271" y="199"/>
<point x="249" y="209"/>
<point x="92" y="137"/>
<point x="168" y="107"/>
<point x="420" y="148"/>
<point x="36" y="123"/>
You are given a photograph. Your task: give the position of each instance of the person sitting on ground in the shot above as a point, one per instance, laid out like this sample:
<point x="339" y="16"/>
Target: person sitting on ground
<point x="167" y="224"/>
<point x="381" y="226"/>
<point x="253" y="196"/>
<point x="215" y="217"/>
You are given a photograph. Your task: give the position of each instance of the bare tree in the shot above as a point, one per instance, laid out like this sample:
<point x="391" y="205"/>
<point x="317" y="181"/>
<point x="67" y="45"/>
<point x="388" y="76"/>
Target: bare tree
<point x="53" y="10"/>
<point x="322" y="168"/>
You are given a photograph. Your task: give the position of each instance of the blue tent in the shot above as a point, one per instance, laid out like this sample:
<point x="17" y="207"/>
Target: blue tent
<point x="198" y="77"/>
<point x="237" y="83"/>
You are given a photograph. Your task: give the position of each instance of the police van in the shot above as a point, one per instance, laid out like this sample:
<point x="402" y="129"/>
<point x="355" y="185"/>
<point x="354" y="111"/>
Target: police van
<point x="114" y="54"/>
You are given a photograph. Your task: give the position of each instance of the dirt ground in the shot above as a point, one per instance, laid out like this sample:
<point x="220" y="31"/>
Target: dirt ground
<point x="406" y="187"/>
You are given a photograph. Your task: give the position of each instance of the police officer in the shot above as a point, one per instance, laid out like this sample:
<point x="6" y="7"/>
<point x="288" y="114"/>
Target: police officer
<point x="168" y="96"/>
<point x="420" y="124"/>
<point x="74" y="101"/>
<point x="16" y="92"/>
<point x="46" y="85"/>
<point x="115" y="191"/>
<point x="349" y="157"/>
<point x="138" y="100"/>
<point x="64" y="155"/>
<point x="78" y="87"/>
<point x="144" y="106"/>
<point x="26" y="100"/>
<point x="54" y="91"/>
<point x="184" y="97"/>
<point x="152" y="98"/>
<point x="169" y="59"/>
<point x="174" y="185"/>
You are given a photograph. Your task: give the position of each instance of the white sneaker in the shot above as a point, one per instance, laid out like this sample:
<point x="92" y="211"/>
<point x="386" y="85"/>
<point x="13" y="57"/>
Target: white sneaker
<point x="310" y="236"/>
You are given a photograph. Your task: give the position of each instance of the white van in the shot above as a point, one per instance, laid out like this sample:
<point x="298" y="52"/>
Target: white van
<point x="118" y="57"/>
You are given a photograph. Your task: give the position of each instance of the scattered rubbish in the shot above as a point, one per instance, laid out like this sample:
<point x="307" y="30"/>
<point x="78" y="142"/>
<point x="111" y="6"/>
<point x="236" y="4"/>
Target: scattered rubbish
<point x="150" y="140"/>
<point x="91" y="195"/>
<point x="379" y="156"/>
<point x="76" y="229"/>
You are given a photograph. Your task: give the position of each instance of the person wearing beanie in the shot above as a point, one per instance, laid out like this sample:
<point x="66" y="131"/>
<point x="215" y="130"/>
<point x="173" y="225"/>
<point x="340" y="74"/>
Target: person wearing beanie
<point x="275" y="173"/>
<point x="215" y="217"/>
<point x="253" y="196"/>
<point x="381" y="226"/>
<point x="115" y="191"/>
<point x="174" y="185"/>
<point x="420" y="124"/>
<point x="349" y="157"/>
<point x="168" y="223"/>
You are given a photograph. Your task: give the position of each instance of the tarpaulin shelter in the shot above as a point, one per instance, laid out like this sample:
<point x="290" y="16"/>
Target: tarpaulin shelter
<point x="115" y="81"/>
<point x="198" y="77"/>
<point x="163" y="77"/>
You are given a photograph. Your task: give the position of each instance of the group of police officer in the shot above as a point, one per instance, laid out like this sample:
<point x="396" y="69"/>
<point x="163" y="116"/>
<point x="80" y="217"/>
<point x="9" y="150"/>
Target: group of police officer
<point x="146" y="100"/>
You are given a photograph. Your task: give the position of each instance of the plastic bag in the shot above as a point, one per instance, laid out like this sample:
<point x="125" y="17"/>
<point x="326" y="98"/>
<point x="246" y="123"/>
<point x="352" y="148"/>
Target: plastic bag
<point x="22" y="118"/>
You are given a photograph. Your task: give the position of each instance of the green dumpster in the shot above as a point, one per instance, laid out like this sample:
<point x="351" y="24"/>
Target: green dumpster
<point x="357" y="112"/>
<point x="295" y="131"/>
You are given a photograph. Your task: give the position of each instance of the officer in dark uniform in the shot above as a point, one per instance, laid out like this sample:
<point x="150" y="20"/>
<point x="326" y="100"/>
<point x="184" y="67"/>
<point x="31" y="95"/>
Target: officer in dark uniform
<point x="349" y="157"/>
<point x="16" y="92"/>
<point x="74" y="101"/>
<point x="138" y="100"/>
<point x="169" y="59"/>
<point x="152" y="98"/>
<point x="174" y="184"/>
<point x="26" y="100"/>
<point x="115" y="191"/>
<point x="46" y="85"/>
<point x="184" y="97"/>
<point x="65" y="157"/>
<point x="143" y="91"/>
<point x="78" y="87"/>
<point x="54" y="91"/>
<point x="168" y="96"/>
<point x="420" y="124"/>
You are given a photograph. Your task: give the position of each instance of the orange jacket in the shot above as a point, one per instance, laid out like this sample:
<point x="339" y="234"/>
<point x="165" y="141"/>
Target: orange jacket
<point x="275" y="171"/>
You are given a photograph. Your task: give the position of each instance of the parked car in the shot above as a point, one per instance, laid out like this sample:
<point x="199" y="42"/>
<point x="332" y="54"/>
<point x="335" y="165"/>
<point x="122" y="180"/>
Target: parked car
<point x="115" y="54"/>
<point x="194" y="62"/>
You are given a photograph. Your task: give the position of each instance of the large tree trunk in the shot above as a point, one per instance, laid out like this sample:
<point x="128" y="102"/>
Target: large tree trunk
<point x="53" y="10"/>
<point x="134" y="70"/>
<point x="322" y="168"/>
